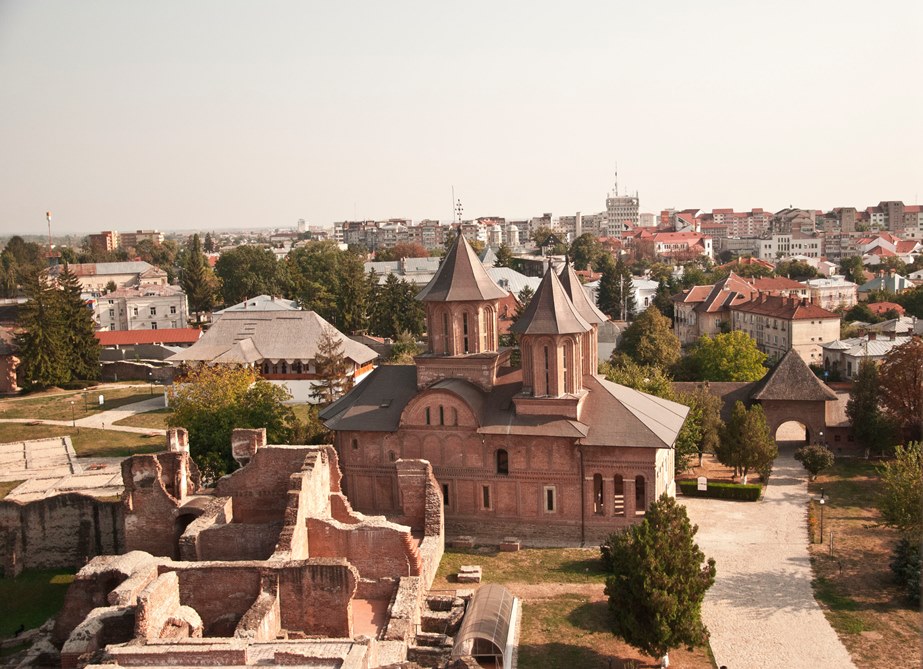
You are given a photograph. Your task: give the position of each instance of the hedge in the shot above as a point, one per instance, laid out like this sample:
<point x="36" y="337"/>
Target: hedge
<point x="748" y="493"/>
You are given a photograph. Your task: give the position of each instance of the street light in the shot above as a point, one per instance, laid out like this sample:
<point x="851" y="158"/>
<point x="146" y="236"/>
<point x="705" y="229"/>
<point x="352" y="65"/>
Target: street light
<point x="150" y="376"/>
<point x="822" y="520"/>
<point x="73" y="418"/>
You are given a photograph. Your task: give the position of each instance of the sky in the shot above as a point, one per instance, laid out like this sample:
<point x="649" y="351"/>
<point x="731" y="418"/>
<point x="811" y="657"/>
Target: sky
<point x="221" y="114"/>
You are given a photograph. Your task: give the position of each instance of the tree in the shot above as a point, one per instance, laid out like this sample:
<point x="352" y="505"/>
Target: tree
<point x="404" y="349"/>
<point x="901" y="500"/>
<point x="80" y="347"/>
<point x="746" y="443"/>
<point x="869" y="425"/>
<point x="727" y="357"/>
<point x="705" y="413"/>
<point x="663" y="298"/>
<point x="797" y="270"/>
<point x="402" y="250"/>
<point x="852" y="269"/>
<point x="901" y="387"/>
<point x="861" y="312"/>
<point x="209" y="243"/>
<point x="247" y="271"/>
<point x="585" y="250"/>
<point x="912" y="301"/>
<point x="504" y="256"/>
<point x="395" y="309"/>
<point x="658" y="579"/>
<point x="43" y="361"/>
<point x="210" y="401"/>
<point x="649" y="340"/>
<point x="333" y="377"/>
<point x="650" y="379"/>
<point x="198" y="280"/>
<point x="815" y="458"/>
<point x="616" y="291"/>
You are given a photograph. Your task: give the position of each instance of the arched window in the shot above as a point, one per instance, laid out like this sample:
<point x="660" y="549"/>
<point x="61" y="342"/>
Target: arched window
<point x="445" y="333"/>
<point x="598" y="507"/>
<point x="465" y="335"/>
<point x="284" y="367"/>
<point x="618" y="497"/>
<point x="503" y="461"/>
<point x="441" y="415"/>
<point x="299" y="368"/>
<point x="429" y="420"/>
<point x="640" y="495"/>
<point x="392" y="456"/>
<point x="490" y="318"/>
<point x="547" y="366"/>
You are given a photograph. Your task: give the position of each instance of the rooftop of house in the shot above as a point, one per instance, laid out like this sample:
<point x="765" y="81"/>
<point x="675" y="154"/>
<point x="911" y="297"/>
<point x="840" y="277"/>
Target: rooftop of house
<point x="791" y="378"/>
<point x="263" y="303"/>
<point x="786" y="308"/>
<point x="165" y="336"/>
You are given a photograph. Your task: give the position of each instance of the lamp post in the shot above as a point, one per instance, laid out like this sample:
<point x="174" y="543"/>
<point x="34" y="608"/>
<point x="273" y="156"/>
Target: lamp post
<point x="150" y="376"/>
<point x="73" y="417"/>
<point x="821" y="437"/>
<point x="822" y="519"/>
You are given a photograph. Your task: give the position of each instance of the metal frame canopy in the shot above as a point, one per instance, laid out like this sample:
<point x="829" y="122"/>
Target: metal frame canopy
<point x="488" y="627"/>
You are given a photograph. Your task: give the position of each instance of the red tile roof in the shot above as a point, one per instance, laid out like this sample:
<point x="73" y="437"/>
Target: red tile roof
<point x="881" y="308"/>
<point x="774" y="283"/>
<point x="134" y="337"/>
<point x="792" y="309"/>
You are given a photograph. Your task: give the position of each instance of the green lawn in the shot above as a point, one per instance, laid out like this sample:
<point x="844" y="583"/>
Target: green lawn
<point x="56" y="405"/>
<point x="155" y="420"/>
<point x="530" y="565"/>
<point x="86" y="441"/>
<point x="31" y="598"/>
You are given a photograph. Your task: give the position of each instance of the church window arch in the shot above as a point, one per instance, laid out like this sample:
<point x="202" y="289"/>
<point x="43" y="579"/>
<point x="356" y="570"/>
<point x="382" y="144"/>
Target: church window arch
<point x="503" y="461"/>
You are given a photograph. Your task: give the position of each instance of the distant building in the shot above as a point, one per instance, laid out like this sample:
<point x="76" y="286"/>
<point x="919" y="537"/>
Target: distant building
<point x="844" y="356"/>
<point x="150" y="307"/>
<point x="782" y="324"/>
<point x="833" y="293"/>
<point x="94" y="277"/>
<point x="262" y="303"/>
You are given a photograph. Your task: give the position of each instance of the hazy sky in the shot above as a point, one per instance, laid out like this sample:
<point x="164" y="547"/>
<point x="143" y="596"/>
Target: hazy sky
<point x="214" y="114"/>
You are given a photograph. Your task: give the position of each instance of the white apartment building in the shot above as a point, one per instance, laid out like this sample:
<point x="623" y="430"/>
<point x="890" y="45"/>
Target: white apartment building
<point x="833" y="293"/>
<point x="144" y="308"/>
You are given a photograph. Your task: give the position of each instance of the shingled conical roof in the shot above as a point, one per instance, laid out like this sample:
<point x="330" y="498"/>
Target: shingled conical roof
<point x="461" y="278"/>
<point x="791" y="379"/>
<point x="550" y="311"/>
<point x="574" y="289"/>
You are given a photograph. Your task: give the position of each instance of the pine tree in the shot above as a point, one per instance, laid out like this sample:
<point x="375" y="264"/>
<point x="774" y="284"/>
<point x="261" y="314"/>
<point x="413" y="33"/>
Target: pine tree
<point x="198" y="280"/>
<point x="333" y="378"/>
<point x="40" y="343"/>
<point x="658" y="580"/>
<point x="616" y="291"/>
<point x="209" y="244"/>
<point x="80" y="345"/>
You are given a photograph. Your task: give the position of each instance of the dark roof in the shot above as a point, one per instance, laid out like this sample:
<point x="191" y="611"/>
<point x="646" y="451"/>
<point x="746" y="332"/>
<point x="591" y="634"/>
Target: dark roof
<point x="550" y="311"/>
<point x="574" y="289"/>
<point x="618" y="415"/>
<point x="791" y="379"/>
<point x="376" y="403"/>
<point x="461" y="278"/>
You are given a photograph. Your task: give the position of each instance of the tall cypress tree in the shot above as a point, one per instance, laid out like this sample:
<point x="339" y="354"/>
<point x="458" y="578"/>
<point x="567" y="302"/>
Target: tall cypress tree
<point x="198" y="280"/>
<point x="616" y="291"/>
<point x="80" y="346"/>
<point x="40" y="342"/>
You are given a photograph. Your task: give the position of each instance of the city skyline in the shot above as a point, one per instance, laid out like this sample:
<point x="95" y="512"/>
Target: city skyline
<point x="223" y="115"/>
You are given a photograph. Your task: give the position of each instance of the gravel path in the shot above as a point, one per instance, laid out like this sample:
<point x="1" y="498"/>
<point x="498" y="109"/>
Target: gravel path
<point x="761" y="611"/>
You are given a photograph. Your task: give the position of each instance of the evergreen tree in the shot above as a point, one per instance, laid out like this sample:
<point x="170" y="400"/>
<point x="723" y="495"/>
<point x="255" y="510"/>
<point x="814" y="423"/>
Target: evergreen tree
<point x="746" y="443"/>
<point x="209" y="244"/>
<point x="9" y="278"/>
<point x="198" y="280"/>
<point x="333" y="378"/>
<point x="616" y="291"/>
<point x="870" y="427"/>
<point x="658" y="580"/>
<point x="41" y="352"/>
<point x="80" y="347"/>
<point x="663" y="298"/>
<point x="504" y="256"/>
<point x="353" y="294"/>
<point x="395" y="309"/>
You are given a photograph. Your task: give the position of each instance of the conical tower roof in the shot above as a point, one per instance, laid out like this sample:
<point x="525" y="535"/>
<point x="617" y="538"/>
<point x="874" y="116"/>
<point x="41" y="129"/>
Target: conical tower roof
<point x="461" y="278"/>
<point x="574" y="289"/>
<point x="550" y="311"/>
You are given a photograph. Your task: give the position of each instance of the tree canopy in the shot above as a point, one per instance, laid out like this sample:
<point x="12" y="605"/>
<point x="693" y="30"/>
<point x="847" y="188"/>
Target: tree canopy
<point x="746" y="443"/>
<point x="901" y="386"/>
<point x="870" y="426"/>
<point x="198" y="280"/>
<point x="732" y="356"/>
<point x="585" y="251"/>
<point x="248" y="271"/>
<point x="616" y="296"/>
<point x="901" y="501"/>
<point x="333" y="377"/>
<point x="650" y="340"/>
<point x="658" y="579"/>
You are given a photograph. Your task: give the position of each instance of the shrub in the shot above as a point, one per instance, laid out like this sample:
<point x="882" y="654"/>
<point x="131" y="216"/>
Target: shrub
<point x="905" y="563"/>
<point x="815" y="458"/>
<point x="749" y="492"/>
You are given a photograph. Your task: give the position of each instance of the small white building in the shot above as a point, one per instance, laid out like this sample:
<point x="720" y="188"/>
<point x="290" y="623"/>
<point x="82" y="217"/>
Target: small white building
<point x="152" y="307"/>
<point x="833" y="293"/>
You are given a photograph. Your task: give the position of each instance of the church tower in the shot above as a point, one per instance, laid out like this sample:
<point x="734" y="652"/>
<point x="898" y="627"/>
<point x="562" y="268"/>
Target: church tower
<point x="590" y="313"/>
<point x="461" y="303"/>
<point x="552" y="341"/>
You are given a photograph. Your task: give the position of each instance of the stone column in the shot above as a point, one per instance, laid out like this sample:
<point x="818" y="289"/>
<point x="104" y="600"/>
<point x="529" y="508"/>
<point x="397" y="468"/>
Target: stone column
<point x="608" y="494"/>
<point x="628" y="484"/>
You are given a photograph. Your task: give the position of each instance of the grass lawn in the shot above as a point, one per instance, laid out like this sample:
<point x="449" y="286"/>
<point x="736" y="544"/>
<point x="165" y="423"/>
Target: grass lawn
<point x="56" y="404"/>
<point x="155" y="420"/>
<point x="7" y="486"/>
<point x="31" y="598"/>
<point x="564" y="612"/>
<point x="853" y="583"/>
<point x="87" y="441"/>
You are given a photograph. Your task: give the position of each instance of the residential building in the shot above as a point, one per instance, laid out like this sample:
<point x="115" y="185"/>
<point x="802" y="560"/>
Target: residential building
<point x="705" y="310"/>
<point x="619" y="209"/>
<point x="547" y="451"/>
<point x="842" y="357"/>
<point x="281" y="345"/>
<point x="130" y="240"/>
<point x="887" y="282"/>
<point x="782" y="324"/>
<point x="833" y="293"/>
<point x="95" y="277"/>
<point x="150" y="307"/>
<point x="106" y="241"/>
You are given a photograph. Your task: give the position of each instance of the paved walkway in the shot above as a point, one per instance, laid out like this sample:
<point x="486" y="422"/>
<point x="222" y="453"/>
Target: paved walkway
<point x="105" y="420"/>
<point x="761" y="610"/>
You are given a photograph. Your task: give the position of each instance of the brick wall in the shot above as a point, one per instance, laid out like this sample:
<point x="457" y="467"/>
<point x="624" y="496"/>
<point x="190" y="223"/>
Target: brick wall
<point x="315" y="597"/>
<point x="60" y="531"/>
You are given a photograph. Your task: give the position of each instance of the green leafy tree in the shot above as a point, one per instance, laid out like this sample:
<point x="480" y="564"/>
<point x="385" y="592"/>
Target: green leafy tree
<point x="80" y="347"/>
<point x="746" y="443"/>
<point x="650" y="340"/>
<point x="901" y="386"/>
<point x="797" y="270"/>
<point x="616" y="296"/>
<point x="901" y="500"/>
<point x="852" y="269"/>
<point x="585" y="250"/>
<point x="815" y="458"/>
<point x="650" y="379"/>
<point x="198" y="280"/>
<point x="41" y="351"/>
<point x="861" y="312"/>
<point x="658" y="579"/>
<point x="705" y="413"/>
<point x="209" y="243"/>
<point x="504" y="256"/>
<point x="871" y="428"/>
<point x="211" y="401"/>
<point x="912" y="301"/>
<point x="333" y="377"/>
<point x="404" y="350"/>
<point x="247" y="271"/>
<point x="732" y="356"/>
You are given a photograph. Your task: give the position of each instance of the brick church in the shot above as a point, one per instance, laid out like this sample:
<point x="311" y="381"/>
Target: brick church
<point x="550" y="452"/>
